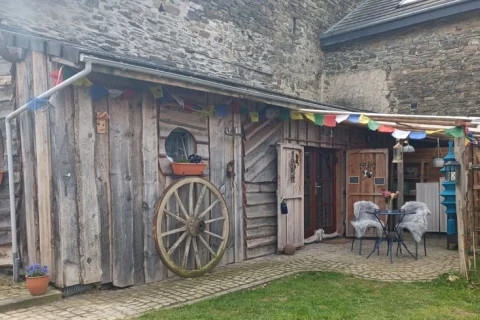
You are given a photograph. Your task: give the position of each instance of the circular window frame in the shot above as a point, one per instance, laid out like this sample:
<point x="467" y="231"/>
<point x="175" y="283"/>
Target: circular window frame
<point x="181" y="130"/>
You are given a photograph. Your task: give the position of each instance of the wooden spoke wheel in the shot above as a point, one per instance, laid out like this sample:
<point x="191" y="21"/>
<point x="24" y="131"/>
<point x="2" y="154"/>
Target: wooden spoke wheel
<point x="191" y="214"/>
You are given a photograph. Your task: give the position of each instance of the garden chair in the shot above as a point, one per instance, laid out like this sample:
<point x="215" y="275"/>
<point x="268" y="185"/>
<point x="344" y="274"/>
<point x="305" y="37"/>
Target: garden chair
<point x="415" y="223"/>
<point x="363" y="220"/>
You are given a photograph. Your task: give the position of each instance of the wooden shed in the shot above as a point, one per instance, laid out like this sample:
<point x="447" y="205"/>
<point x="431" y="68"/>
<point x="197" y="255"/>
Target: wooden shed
<point x="97" y="169"/>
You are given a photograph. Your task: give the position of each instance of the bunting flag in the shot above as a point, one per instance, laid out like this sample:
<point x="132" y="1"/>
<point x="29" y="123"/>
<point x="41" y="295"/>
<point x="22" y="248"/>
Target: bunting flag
<point x="373" y="125"/>
<point x="319" y="118"/>
<point x="341" y="117"/>
<point x="330" y="121"/>
<point x="456" y="132"/>
<point x="128" y="94"/>
<point x="208" y="111"/>
<point x="221" y="110"/>
<point x="254" y="116"/>
<point x="295" y="115"/>
<point x="114" y="93"/>
<point x="244" y="110"/>
<point x="36" y="103"/>
<point x="157" y="91"/>
<point x="434" y="131"/>
<point x="385" y="129"/>
<point x="84" y="82"/>
<point x="363" y="119"/>
<point x="272" y="113"/>
<point x="98" y="92"/>
<point x="354" y="118"/>
<point x="262" y="115"/>
<point x="417" y="135"/>
<point x="400" y="134"/>
<point x="284" y="114"/>
<point x="236" y="107"/>
<point x="310" y="116"/>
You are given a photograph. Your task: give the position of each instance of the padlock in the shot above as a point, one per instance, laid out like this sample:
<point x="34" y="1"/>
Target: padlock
<point x="283" y="207"/>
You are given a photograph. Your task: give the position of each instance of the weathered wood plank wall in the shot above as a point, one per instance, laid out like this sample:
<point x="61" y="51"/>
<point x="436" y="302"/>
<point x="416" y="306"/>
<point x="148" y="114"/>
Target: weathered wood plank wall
<point x="260" y="176"/>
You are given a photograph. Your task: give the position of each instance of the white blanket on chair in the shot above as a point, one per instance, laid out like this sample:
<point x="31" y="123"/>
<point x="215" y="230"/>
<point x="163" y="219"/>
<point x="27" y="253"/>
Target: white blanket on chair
<point x="320" y="235"/>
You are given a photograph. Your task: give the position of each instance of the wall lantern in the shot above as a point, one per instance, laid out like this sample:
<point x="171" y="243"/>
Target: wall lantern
<point x="397" y="153"/>
<point x="452" y="170"/>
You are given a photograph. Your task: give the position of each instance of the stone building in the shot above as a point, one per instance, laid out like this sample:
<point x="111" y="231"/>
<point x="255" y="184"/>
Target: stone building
<point x="420" y="56"/>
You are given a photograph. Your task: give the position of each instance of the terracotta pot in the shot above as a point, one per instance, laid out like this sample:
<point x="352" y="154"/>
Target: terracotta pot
<point x="188" y="169"/>
<point x="37" y="285"/>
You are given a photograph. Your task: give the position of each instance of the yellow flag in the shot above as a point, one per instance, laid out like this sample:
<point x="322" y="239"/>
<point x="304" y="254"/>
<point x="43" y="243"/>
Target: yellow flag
<point x="310" y="116"/>
<point x="84" y="82"/>
<point x="208" y="111"/>
<point x="364" y="119"/>
<point x="254" y="116"/>
<point x="435" y="131"/>
<point x="296" y="115"/>
<point x="157" y="92"/>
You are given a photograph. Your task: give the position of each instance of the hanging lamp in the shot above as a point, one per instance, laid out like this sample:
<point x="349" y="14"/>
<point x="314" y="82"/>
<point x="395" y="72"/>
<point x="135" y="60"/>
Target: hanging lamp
<point x="407" y="147"/>
<point x="438" y="161"/>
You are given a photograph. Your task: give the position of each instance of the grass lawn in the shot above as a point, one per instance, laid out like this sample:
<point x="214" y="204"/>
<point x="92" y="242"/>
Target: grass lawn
<point x="327" y="295"/>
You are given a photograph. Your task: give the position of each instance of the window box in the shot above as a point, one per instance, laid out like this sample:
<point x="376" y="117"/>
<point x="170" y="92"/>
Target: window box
<point x="188" y="169"/>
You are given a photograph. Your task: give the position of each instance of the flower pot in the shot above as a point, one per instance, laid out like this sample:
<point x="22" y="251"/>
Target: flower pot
<point x="438" y="162"/>
<point x="37" y="285"/>
<point x="188" y="169"/>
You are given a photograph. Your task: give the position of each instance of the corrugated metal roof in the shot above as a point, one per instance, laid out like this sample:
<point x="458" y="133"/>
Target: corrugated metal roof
<point x="373" y="13"/>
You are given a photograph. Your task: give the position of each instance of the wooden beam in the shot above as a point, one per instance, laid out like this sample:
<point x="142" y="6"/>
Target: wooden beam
<point x="461" y="202"/>
<point x="87" y="194"/>
<point x="44" y="169"/>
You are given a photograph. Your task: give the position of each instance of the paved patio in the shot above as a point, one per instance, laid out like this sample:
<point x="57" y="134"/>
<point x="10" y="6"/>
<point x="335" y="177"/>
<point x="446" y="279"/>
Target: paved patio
<point x="131" y="302"/>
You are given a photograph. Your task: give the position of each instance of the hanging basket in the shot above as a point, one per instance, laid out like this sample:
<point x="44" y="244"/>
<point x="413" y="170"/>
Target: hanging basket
<point x="188" y="169"/>
<point x="438" y="162"/>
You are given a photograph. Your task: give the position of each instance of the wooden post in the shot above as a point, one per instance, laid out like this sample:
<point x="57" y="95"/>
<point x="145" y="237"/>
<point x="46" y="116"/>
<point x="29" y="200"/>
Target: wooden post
<point x="400" y="182"/>
<point x="461" y="200"/>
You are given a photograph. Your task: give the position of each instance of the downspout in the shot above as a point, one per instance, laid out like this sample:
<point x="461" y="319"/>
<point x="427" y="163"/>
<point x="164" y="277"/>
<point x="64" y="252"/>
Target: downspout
<point x="11" y="182"/>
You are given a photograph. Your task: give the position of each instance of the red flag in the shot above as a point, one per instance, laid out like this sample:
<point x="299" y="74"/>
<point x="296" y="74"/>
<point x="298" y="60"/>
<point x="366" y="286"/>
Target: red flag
<point x="56" y="76"/>
<point x="128" y="94"/>
<point x="330" y="121"/>
<point x="385" y="129"/>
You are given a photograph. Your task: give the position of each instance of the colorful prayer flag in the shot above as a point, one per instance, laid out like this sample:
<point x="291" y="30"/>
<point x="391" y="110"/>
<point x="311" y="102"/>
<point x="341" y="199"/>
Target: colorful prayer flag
<point x="310" y="116"/>
<point x="385" y="129"/>
<point x="456" y="132"/>
<point x="354" y="118"/>
<point x="157" y="91"/>
<point x="113" y="93"/>
<point x="363" y="119"/>
<point x="221" y="110"/>
<point x="284" y="114"/>
<point x="435" y="131"/>
<point x="341" y="117"/>
<point x="295" y="115"/>
<point x="319" y="119"/>
<point x="417" y="135"/>
<point x="208" y="111"/>
<point x="400" y="134"/>
<point x="373" y="125"/>
<point x="84" y="82"/>
<point x="254" y="116"/>
<point x="330" y="121"/>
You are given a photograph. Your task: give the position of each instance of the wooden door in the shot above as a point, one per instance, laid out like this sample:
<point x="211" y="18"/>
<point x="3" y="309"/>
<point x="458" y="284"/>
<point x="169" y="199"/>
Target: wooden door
<point x="290" y="189"/>
<point x="319" y="191"/>
<point x="367" y="178"/>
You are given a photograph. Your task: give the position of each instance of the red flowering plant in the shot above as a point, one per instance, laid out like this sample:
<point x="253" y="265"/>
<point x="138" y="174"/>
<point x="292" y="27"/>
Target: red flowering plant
<point x="389" y="196"/>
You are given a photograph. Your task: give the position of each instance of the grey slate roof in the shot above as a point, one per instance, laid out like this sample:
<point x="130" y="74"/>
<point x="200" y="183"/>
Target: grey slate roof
<point x="376" y="16"/>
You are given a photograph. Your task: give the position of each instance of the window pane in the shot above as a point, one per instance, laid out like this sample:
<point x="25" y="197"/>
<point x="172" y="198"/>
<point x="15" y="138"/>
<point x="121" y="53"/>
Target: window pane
<point x="180" y="144"/>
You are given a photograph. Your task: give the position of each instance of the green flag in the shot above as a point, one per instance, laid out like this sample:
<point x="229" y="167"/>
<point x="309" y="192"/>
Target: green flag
<point x="319" y="118"/>
<point x="456" y="132"/>
<point x="373" y="125"/>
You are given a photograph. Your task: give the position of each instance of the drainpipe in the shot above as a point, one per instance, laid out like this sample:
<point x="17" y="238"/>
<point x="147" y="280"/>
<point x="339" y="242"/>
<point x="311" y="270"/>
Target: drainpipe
<point x="11" y="182"/>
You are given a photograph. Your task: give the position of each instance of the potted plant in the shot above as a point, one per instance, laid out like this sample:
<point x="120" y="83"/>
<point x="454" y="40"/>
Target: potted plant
<point x="192" y="166"/>
<point x="389" y="196"/>
<point x="37" y="279"/>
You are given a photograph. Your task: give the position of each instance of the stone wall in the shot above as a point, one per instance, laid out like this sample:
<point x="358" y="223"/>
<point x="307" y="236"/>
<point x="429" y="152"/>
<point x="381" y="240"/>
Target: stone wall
<point x="435" y="64"/>
<point x="268" y="44"/>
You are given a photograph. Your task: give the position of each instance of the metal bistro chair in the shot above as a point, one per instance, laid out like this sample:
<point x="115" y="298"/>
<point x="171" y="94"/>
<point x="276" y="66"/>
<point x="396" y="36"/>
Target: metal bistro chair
<point x="415" y="223"/>
<point x="363" y="220"/>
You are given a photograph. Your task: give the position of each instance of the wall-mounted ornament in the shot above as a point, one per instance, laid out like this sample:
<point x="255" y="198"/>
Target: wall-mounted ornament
<point x="233" y="129"/>
<point x="294" y="162"/>
<point x="102" y="118"/>
<point x="367" y="166"/>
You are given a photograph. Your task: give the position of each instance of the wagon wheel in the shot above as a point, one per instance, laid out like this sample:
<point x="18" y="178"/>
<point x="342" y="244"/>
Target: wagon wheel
<point x="192" y="227"/>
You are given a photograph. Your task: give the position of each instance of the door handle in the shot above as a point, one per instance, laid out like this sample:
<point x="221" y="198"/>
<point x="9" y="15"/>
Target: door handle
<point x="317" y="186"/>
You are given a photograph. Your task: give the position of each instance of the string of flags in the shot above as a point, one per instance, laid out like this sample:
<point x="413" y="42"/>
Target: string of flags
<point x="161" y="93"/>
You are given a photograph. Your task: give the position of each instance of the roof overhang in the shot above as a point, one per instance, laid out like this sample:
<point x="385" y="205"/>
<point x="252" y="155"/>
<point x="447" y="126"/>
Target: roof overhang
<point x="428" y="14"/>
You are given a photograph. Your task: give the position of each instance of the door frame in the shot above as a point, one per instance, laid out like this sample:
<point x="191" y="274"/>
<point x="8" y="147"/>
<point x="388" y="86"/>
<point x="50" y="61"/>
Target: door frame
<point x="312" y="188"/>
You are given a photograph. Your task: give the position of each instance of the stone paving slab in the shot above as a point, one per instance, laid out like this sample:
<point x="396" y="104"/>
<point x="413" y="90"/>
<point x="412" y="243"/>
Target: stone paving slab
<point x="134" y="301"/>
<point x="16" y="296"/>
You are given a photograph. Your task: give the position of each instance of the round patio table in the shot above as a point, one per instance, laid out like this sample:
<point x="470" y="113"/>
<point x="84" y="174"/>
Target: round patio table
<point x="390" y="235"/>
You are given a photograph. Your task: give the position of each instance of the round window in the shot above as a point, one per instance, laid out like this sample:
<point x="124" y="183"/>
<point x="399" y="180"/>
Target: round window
<point x="180" y="144"/>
